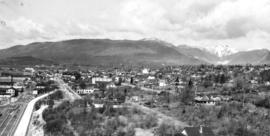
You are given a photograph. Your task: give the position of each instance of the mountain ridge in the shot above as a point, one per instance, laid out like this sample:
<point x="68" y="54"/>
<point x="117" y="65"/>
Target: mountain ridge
<point x="102" y="51"/>
<point x="144" y="51"/>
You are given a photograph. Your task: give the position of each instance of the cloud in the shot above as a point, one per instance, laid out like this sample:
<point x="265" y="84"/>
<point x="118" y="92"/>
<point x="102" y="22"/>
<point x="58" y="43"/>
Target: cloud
<point x="234" y="19"/>
<point x="240" y="23"/>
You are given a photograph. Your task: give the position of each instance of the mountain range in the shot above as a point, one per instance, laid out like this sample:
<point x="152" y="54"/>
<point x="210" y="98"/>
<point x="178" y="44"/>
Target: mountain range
<point x="145" y="51"/>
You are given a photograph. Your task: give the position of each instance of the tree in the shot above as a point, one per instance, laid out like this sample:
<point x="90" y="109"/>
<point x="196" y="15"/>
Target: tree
<point x="166" y="130"/>
<point x="241" y="130"/>
<point x="207" y="83"/>
<point x="54" y="126"/>
<point x="50" y="103"/>
<point x="265" y="75"/>
<point x="190" y="84"/>
<point x="263" y="103"/>
<point x="102" y="88"/>
<point x="187" y="95"/>
<point x="131" y="80"/>
<point x="222" y="79"/>
<point x="82" y="85"/>
<point x="177" y="81"/>
<point x="239" y="83"/>
<point x="77" y="75"/>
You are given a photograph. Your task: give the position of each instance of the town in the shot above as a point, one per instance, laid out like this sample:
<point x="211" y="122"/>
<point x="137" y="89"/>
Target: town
<point x="188" y="100"/>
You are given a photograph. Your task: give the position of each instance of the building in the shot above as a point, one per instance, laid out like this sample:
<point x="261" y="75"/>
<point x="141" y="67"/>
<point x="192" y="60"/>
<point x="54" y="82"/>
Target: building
<point x="110" y="85"/>
<point x="12" y="79"/>
<point x="28" y="72"/>
<point x="12" y="82"/>
<point x="86" y="91"/>
<point x="8" y="92"/>
<point x="162" y="83"/>
<point x="145" y="71"/>
<point x="101" y="79"/>
<point x="39" y="88"/>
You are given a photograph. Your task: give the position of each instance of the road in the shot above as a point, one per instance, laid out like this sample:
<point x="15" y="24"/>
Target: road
<point x="67" y="90"/>
<point x="22" y="127"/>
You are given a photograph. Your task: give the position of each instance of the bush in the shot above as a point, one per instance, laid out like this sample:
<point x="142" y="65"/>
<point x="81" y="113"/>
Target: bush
<point x="50" y="103"/>
<point x="54" y="125"/>
<point x="57" y="95"/>
<point x="263" y="103"/>
<point x="37" y="105"/>
<point x="150" y="121"/>
<point x="165" y="129"/>
<point x="127" y="131"/>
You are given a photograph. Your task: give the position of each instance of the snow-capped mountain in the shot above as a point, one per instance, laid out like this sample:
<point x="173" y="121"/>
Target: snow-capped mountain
<point x="222" y="50"/>
<point x="153" y="39"/>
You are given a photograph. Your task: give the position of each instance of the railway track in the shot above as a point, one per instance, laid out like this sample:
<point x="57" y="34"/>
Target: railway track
<point x="3" y="124"/>
<point x="12" y="117"/>
<point x="17" y="121"/>
<point x="22" y="126"/>
<point x="8" y="123"/>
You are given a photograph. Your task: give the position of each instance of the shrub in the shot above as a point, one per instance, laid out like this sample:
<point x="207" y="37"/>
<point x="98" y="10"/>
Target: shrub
<point x="150" y="121"/>
<point x="57" y="95"/>
<point x="37" y="106"/>
<point x="54" y="125"/>
<point x="263" y="103"/>
<point x="165" y="129"/>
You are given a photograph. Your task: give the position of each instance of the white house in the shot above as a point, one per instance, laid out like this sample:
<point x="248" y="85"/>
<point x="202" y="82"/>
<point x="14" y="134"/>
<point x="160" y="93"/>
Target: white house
<point x="267" y="83"/>
<point x="145" y="71"/>
<point x="101" y="79"/>
<point x="110" y="85"/>
<point x="162" y="83"/>
<point x="151" y="78"/>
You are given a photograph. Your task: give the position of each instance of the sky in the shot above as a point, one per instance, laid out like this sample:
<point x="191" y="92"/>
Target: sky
<point x="241" y="24"/>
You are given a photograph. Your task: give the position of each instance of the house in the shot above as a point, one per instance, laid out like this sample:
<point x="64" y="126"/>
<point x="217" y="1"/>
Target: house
<point x="229" y="85"/>
<point x="110" y="85"/>
<point x="198" y="131"/>
<point x="145" y="71"/>
<point x="135" y="98"/>
<point x="215" y="99"/>
<point x="267" y="83"/>
<point x="162" y="83"/>
<point x="28" y="72"/>
<point x="151" y="78"/>
<point x="205" y="100"/>
<point x="40" y="86"/>
<point x="86" y="91"/>
<point x="97" y="105"/>
<point x="12" y="79"/>
<point x="10" y="82"/>
<point x="101" y="79"/>
<point x="8" y="92"/>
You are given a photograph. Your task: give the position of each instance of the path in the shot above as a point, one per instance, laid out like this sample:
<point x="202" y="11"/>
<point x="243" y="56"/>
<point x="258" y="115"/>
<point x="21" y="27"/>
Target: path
<point x="162" y="117"/>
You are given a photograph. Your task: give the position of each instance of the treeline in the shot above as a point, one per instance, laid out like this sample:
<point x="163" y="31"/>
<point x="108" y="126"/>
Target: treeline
<point x="265" y="75"/>
<point x="49" y="100"/>
<point x="49" y="86"/>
